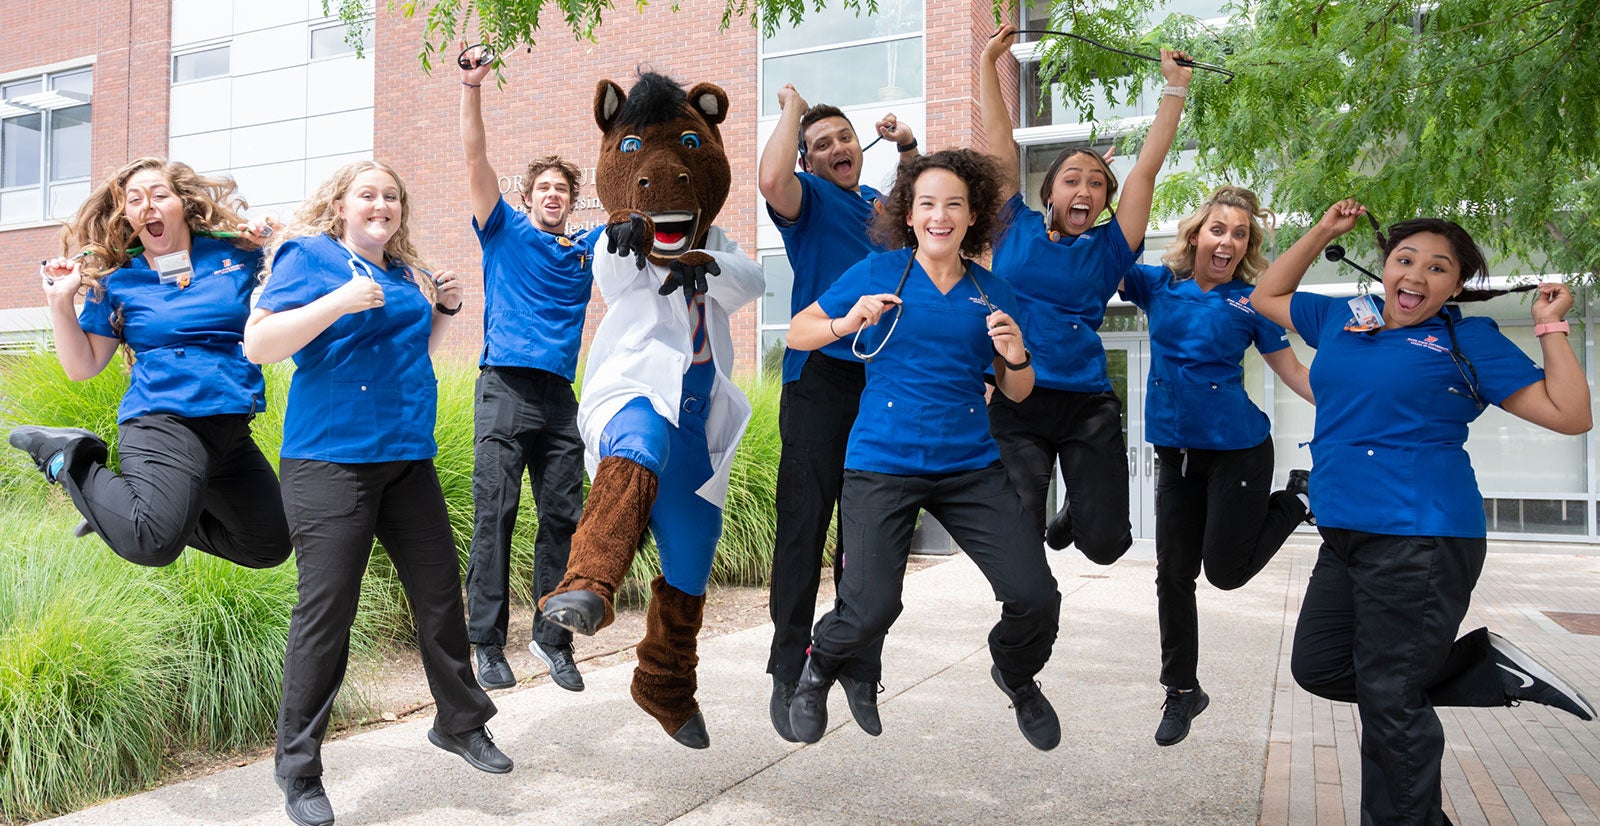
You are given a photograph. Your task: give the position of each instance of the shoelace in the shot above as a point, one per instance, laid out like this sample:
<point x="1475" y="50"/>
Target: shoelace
<point x="1024" y="701"/>
<point x="309" y="787"/>
<point x="494" y="657"/>
<point x="1174" y="705"/>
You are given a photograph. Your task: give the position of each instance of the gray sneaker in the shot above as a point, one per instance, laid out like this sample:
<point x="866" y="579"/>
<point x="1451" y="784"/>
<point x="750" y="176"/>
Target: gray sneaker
<point x="558" y="658"/>
<point x="1526" y="679"/>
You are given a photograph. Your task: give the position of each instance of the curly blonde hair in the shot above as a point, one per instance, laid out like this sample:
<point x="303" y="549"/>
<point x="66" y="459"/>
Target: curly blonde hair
<point x="1179" y="256"/>
<point x="319" y="215"/>
<point x="101" y="228"/>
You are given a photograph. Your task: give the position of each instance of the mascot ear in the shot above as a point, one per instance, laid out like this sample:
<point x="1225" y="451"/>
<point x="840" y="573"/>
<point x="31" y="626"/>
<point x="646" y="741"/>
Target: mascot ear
<point x="608" y="100"/>
<point x="709" y="100"/>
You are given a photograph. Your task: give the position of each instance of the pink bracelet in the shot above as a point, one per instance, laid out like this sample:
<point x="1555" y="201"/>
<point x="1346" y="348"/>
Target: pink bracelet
<point x="1553" y="327"/>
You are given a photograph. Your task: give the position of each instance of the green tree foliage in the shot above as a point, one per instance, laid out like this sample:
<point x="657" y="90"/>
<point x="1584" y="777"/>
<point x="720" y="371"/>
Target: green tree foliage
<point x="1483" y="111"/>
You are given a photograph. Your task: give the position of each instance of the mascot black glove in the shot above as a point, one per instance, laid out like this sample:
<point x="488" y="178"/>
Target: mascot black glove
<point x="632" y="233"/>
<point x="689" y="271"/>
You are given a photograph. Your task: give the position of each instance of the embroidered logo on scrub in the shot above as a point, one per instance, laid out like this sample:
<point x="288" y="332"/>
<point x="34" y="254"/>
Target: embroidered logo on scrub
<point x="1242" y="304"/>
<point x="1431" y="343"/>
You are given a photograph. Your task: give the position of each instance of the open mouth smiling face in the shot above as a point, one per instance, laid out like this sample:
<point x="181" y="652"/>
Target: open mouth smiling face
<point x="675" y="231"/>
<point x="1420" y="275"/>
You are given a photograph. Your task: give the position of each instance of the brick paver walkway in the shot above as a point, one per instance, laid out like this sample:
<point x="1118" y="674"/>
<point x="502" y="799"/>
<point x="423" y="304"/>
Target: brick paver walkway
<point x="1502" y="767"/>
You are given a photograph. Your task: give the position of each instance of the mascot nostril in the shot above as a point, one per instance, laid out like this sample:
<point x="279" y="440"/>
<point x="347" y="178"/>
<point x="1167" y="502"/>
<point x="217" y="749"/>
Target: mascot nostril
<point x="658" y="378"/>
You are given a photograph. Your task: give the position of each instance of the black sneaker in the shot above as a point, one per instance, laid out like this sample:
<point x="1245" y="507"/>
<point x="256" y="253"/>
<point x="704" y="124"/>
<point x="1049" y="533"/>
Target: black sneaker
<point x="558" y="658"/>
<point x="1035" y="716"/>
<point x="493" y="670"/>
<point x="1526" y="680"/>
<point x="305" y="801"/>
<point x="808" y="710"/>
<point x="1176" y="711"/>
<point x="47" y="446"/>
<point x="862" y="698"/>
<point x="778" y="707"/>
<point x="476" y="747"/>
<point x="1058" y="535"/>
<point x="1300" y="485"/>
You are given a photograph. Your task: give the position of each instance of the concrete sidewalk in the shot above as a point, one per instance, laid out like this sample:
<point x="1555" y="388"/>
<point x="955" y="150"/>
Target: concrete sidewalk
<point x="951" y="751"/>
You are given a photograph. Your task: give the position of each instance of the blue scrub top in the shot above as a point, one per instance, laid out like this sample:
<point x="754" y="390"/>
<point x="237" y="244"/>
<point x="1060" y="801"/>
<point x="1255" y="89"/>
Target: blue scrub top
<point x="828" y="238"/>
<point x="536" y="289"/>
<point x="187" y="341"/>
<point x="1196" y="396"/>
<point x="1062" y="288"/>
<point x="923" y="410"/>
<point x="363" y="390"/>
<point x="1388" y="452"/>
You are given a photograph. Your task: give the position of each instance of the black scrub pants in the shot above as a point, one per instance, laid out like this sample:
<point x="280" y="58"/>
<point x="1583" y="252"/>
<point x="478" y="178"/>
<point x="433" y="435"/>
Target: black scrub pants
<point x="1378" y="628"/>
<point x="815" y="415"/>
<point x="185" y="481"/>
<point x="1214" y="509"/>
<point x="335" y="511"/>
<point x="524" y="419"/>
<point x="981" y="511"/>
<point x="1084" y="432"/>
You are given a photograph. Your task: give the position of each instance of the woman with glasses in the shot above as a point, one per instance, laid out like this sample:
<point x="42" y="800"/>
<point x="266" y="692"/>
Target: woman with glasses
<point x="1397" y="381"/>
<point x="165" y="263"/>
<point x="929" y="322"/>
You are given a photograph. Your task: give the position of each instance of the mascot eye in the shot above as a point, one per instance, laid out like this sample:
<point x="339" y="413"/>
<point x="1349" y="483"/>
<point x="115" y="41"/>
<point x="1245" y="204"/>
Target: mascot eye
<point x="690" y="140"/>
<point x="630" y="144"/>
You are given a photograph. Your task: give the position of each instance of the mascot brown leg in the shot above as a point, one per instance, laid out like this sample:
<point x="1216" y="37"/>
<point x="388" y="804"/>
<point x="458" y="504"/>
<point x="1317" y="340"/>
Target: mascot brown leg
<point x="614" y="518"/>
<point x="664" y="680"/>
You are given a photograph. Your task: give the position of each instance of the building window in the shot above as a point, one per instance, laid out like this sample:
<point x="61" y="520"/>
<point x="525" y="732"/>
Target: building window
<point x="331" y="41"/>
<point x="206" y="63"/>
<point x="44" y="145"/>
<point x="775" y="312"/>
<point x="840" y="58"/>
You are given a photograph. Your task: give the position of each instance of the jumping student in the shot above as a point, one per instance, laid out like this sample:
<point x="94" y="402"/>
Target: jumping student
<point x="349" y="299"/>
<point x="536" y="283"/>
<point x="1065" y="268"/>
<point x="166" y="265"/>
<point x="1397" y="381"/>
<point x="1214" y="502"/>
<point x="938" y="321"/>
<point x="822" y="211"/>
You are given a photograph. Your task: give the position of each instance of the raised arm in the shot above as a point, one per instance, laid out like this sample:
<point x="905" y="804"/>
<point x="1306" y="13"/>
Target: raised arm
<point x="482" y="183"/>
<point x="1133" y="207"/>
<point x="1561" y="401"/>
<point x="776" y="177"/>
<point x="811" y="328"/>
<point x="1276" y="286"/>
<point x="82" y="354"/>
<point x="996" y="117"/>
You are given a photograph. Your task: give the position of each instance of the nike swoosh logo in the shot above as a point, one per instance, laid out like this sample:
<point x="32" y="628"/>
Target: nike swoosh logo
<point x="1527" y="681"/>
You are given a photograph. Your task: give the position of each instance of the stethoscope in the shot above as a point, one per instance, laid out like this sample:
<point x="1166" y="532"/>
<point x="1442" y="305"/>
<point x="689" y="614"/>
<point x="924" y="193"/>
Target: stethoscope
<point x="855" y="343"/>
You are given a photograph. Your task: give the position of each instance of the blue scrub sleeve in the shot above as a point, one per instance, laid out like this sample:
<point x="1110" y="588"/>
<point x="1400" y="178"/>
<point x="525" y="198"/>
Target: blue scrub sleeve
<point x="1309" y="312"/>
<point x="1011" y="210"/>
<point x="496" y="222"/>
<point x="1140" y="282"/>
<point x="294" y="281"/>
<point x="808" y="198"/>
<point x="1503" y="369"/>
<point x="95" y="317"/>
<point x="1117" y="257"/>
<point x="1268" y="336"/>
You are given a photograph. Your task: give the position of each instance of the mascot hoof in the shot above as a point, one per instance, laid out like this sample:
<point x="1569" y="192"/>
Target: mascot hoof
<point x="581" y="612"/>
<point x="693" y="733"/>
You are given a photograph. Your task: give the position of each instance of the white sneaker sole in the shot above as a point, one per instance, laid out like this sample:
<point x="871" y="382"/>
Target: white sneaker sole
<point x="1532" y="669"/>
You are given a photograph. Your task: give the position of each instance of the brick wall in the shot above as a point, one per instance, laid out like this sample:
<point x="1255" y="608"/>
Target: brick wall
<point x="131" y="45"/>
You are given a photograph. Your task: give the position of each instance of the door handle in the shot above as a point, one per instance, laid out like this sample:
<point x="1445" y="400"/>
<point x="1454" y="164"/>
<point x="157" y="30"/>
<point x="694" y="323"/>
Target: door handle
<point x="1133" y="462"/>
<point x="1149" y="461"/>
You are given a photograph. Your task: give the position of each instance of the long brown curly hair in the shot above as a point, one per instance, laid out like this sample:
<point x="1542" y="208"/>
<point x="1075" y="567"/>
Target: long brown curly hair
<point x="975" y="169"/>
<point x="319" y="215"/>
<point x="1179" y="256"/>
<point x="102" y="230"/>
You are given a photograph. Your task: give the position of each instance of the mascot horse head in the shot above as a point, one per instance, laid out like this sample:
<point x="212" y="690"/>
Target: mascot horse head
<point x="661" y="154"/>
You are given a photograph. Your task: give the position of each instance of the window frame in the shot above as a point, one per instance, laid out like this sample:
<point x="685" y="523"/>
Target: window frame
<point x="45" y="103"/>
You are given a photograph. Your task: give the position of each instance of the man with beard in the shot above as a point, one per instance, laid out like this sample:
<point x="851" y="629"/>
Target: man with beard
<point x="537" y="281"/>
<point x="822" y="211"/>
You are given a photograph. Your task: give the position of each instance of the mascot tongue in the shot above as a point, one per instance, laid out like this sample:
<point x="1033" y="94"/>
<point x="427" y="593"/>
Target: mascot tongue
<point x="668" y="239"/>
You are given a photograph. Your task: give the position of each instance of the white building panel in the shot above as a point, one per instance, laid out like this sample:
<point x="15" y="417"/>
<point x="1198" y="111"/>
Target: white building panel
<point x="339" y="85"/>
<point x="269" y="143"/>
<point x="339" y="134"/>
<point x="201" y="106"/>
<point x="270" y="96"/>
<point x="267" y="49"/>
<point x="198" y="21"/>
<point x="206" y="152"/>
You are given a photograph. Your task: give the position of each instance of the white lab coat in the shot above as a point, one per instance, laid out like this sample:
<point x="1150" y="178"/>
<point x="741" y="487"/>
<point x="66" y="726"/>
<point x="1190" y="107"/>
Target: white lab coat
<point x="645" y="343"/>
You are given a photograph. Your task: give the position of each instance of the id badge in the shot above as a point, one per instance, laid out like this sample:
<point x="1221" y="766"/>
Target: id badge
<point x="1364" y="315"/>
<point x="175" y="268"/>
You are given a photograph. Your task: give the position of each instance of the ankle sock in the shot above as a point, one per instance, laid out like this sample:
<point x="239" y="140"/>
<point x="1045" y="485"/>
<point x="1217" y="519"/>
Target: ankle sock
<point x="54" y="467"/>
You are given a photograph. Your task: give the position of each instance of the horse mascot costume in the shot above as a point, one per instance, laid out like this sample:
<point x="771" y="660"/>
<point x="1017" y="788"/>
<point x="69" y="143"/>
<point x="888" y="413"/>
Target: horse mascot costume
<point x="660" y="416"/>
